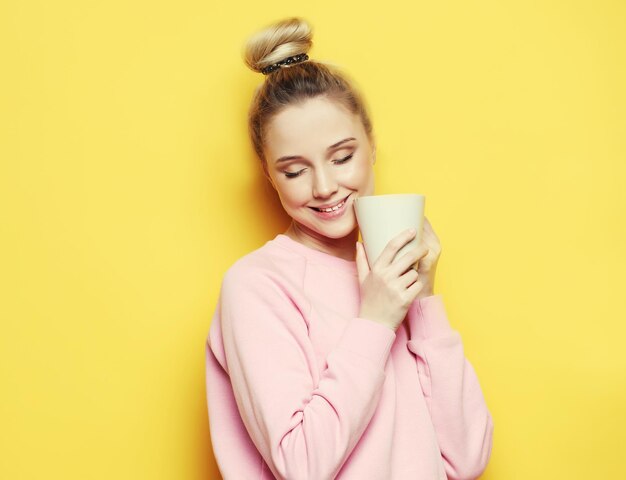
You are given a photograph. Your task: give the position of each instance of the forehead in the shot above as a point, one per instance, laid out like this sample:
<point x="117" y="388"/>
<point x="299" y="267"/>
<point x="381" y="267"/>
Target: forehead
<point x="309" y="127"/>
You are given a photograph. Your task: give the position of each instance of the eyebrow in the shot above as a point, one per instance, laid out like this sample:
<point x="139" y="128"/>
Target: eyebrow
<point x="333" y="146"/>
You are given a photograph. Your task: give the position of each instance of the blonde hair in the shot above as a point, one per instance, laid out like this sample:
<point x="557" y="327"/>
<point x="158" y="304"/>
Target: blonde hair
<point x="294" y="83"/>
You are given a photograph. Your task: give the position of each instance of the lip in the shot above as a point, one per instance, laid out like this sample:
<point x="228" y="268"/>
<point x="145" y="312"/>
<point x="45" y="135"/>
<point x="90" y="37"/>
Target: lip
<point x="329" y="205"/>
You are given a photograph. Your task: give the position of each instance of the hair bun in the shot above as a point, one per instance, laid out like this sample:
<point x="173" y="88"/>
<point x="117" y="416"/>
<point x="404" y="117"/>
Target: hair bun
<point x="276" y="42"/>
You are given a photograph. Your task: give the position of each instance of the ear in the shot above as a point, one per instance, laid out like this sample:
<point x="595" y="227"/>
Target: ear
<point x="269" y="178"/>
<point x="373" y="144"/>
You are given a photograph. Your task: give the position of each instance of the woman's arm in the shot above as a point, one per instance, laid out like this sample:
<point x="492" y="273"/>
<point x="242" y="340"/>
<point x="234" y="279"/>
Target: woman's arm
<point x="458" y="410"/>
<point x="304" y="424"/>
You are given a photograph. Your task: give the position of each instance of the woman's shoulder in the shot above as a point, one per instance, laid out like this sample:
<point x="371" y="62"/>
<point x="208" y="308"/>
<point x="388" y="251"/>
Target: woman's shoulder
<point x="268" y="262"/>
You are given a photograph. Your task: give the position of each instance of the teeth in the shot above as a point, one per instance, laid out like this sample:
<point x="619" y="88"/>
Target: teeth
<point x="333" y="209"/>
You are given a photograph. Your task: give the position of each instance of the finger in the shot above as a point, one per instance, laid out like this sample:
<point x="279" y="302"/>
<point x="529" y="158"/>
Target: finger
<point x="409" y="259"/>
<point x="392" y="247"/>
<point x="414" y="289"/>
<point x="361" y="262"/>
<point x="428" y="231"/>
<point x="409" y="277"/>
<point x="426" y="228"/>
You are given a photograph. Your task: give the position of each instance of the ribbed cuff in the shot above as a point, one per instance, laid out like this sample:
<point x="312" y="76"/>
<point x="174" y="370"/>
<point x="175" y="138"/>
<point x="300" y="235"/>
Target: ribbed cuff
<point x="368" y="339"/>
<point x="429" y="318"/>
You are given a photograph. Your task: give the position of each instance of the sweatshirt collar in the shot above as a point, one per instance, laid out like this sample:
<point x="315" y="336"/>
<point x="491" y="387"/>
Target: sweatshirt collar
<point x="316" y="256"/>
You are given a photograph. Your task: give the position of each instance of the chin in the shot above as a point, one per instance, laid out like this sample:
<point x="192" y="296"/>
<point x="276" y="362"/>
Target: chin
<point x="337" y="230"/>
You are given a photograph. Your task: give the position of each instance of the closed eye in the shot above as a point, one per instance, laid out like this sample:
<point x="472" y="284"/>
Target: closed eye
<point x="338" y="161"/>
<point x="343" y="160"/>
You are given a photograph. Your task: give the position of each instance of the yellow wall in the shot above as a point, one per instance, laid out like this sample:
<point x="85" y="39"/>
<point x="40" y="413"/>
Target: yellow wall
<point x="128" y="186"/>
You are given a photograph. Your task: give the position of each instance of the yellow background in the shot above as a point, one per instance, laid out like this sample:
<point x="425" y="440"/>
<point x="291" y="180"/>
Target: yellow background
<point x="128" y="186"/>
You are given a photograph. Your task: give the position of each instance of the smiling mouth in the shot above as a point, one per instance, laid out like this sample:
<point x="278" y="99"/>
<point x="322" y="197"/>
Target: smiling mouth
<point x="332" y="209"/>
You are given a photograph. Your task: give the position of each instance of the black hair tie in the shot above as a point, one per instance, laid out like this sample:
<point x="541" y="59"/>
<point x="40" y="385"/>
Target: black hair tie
<point x="301" y="57"/>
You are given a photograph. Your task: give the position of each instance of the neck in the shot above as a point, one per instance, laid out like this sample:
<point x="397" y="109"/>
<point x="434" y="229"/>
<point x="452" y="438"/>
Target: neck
<point x="338" y="247"/>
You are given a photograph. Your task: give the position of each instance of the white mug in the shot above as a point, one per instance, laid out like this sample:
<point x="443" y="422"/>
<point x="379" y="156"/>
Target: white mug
<point x="382" y="217"/>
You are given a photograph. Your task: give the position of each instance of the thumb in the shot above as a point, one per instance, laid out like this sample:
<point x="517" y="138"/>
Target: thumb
<point x="361" y="262"/>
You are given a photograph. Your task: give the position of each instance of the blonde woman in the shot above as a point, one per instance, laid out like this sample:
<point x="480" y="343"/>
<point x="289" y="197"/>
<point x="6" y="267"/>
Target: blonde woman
<point x="318" y="365"/>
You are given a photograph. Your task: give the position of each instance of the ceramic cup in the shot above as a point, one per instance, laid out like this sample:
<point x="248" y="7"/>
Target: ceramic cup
<point x="382" y="217"/>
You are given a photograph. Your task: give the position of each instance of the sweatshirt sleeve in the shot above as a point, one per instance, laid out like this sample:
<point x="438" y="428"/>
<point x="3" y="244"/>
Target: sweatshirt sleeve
<point x="304" y="428"/>
<point x="458" y="409"/>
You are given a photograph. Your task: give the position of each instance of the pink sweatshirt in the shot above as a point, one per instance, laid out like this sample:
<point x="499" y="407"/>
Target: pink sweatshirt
<point x="300" y="387"/>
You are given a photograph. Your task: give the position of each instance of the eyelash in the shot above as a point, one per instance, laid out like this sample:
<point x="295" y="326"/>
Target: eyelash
<point x="337" y="162"/>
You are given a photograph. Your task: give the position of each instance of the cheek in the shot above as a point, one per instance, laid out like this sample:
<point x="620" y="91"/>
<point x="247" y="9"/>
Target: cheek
<point x="293" y="195"/>
<point x="359" y="175"/>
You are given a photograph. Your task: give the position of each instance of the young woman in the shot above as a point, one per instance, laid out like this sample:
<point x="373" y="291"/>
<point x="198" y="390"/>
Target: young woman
<point x="318" y="365"/>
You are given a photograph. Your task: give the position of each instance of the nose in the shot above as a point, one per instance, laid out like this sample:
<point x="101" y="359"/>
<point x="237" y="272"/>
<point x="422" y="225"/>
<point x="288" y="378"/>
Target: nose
<point x="324" y="184"/>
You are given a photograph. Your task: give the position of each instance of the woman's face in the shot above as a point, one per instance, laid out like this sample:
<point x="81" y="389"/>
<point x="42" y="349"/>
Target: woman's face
<point x="318" y="154"/>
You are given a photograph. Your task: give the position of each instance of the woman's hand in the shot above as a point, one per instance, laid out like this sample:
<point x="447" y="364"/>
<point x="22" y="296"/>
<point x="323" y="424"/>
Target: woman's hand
<point x="428" y="265"/>
<point x="389" y="288"/>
